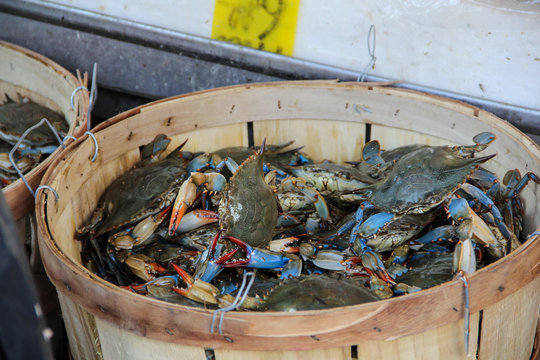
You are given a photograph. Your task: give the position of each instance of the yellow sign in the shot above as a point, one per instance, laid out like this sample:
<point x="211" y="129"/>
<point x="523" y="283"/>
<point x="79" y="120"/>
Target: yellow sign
<point x="268" y="25"/>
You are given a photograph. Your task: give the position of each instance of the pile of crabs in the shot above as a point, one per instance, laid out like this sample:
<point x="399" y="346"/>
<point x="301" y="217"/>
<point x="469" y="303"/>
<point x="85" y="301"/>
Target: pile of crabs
<point x="187" y="227"/>
<point x="15" y="119"/>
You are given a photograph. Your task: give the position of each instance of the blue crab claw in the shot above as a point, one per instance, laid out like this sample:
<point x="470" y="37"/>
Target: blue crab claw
<point x="464" y="257"/>
<point x="371" y="153"/>
<point x="207" y="268"/>
<point x="167" y="281"/>
<point x="196" y="289"/>
<point x="255" y="257"/>
<point x="188" y="193"/>
<point x="368" y="228"/>
<point x="373" y="264"/>
<point x="195" y="219"/>
<point x="471" y="226"/>
<point x="356" y="219"/>
<point x="441" y="233"/>
<point x="143" y="266"/>
<point x="522" y="183"/>
<point x="486" y="201"/>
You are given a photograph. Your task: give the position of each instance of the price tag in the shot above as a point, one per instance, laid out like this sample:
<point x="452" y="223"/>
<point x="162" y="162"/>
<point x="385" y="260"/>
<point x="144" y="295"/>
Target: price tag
<point x="268" y="25"/>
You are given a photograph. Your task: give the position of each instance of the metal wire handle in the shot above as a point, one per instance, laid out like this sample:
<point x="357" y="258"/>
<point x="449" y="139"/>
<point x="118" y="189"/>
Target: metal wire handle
<point x="46" y="187"/>
<point x="92" y="99"/>
<point x="371" y="51"/>
<point x="73" y="95"/>
<point x="238" y="301"/>
<point x="466" y="311"/>
<point x="95" y="144"/>
<point x="23" y="136"/>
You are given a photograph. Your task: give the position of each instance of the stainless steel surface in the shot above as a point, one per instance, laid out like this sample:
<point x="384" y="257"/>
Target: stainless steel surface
<point x="147" y="62"/>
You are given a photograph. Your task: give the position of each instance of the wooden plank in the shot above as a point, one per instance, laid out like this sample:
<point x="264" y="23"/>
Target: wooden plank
<point x="343" y="353"/>
<point x="119" y="344"/>
<point x="212" y="139"/>
<point x="84" y="341"/>
<point x="508" y="327"/>
<point x="391" y="137"/>
<point x="346" y="138"/>
<point x="443" y="342"/>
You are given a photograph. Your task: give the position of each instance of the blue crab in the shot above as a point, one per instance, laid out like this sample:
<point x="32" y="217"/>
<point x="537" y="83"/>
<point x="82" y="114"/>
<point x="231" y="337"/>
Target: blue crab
<point x="140" y="192"/>
<point x="420" y="180"/>
<point x="248" y="208"/>
<point x="16" y="118"/>
<point x="306" y="292"/>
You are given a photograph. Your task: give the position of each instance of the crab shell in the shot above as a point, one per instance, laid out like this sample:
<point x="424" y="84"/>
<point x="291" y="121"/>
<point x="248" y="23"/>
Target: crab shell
<point x="315" y="292"/>
<point x="16" y="118"/>
<point x="421" y="180"/>
<point x="248" y="211"/>
<point x="139" y="193"/>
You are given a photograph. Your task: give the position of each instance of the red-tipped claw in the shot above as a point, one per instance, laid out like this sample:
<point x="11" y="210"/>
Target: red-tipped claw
<point x="197" y="289"/>
<point x="184" y="199"/>
<point x="195" y="219"/>
<point x="255" y="257"/>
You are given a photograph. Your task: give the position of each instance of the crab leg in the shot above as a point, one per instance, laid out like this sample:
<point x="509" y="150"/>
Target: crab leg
<point x="196" y="290"/>
<point x="195" y="219"/>
<point x="487" y="202"/>
<point x="188" y="193"/>
<point x="441" y="233"/>
<point x="143" y="266"/>
<point x="207" y="268"/>
<point x="255" y="257"/>
<point x="373" y="265"/>
<point x="522" y="183"/>
<point x="140" y="233"/>
<point x="471" y="226"/>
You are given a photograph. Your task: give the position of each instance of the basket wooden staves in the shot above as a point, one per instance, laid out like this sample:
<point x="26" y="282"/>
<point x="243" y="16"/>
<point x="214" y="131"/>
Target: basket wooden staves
<point x="27" y="74"/>
<point x="331" y="119"/>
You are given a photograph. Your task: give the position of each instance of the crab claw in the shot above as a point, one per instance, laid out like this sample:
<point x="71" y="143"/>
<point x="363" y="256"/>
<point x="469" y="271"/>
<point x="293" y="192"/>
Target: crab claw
<point x="188" y="193"/>
<point x="255" y="257"/>
<point x="143" y="266"/>
<point x="374" y="265"/>
<point x="196" y="290"/>
<point x="195" y="219"/>
<point x="207" y="268"/>
<point x="184" y="199"/>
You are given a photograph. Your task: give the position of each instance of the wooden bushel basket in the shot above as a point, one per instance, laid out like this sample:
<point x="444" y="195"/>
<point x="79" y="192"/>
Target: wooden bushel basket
<point x="331" y="120"/>
<point x="27" y="74"/>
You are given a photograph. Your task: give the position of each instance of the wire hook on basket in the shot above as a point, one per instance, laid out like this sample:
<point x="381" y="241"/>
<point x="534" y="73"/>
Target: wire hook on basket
<point x="371" y="51"/>
<point x="78" y="88"/>
<point x="238" y="301"/>
<point x="46" y="187"/>
<point x="96" y="146"/>
<point x="466" y="311"/>
<point x="91" y="102"/>
<point x="18" y="143"/>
